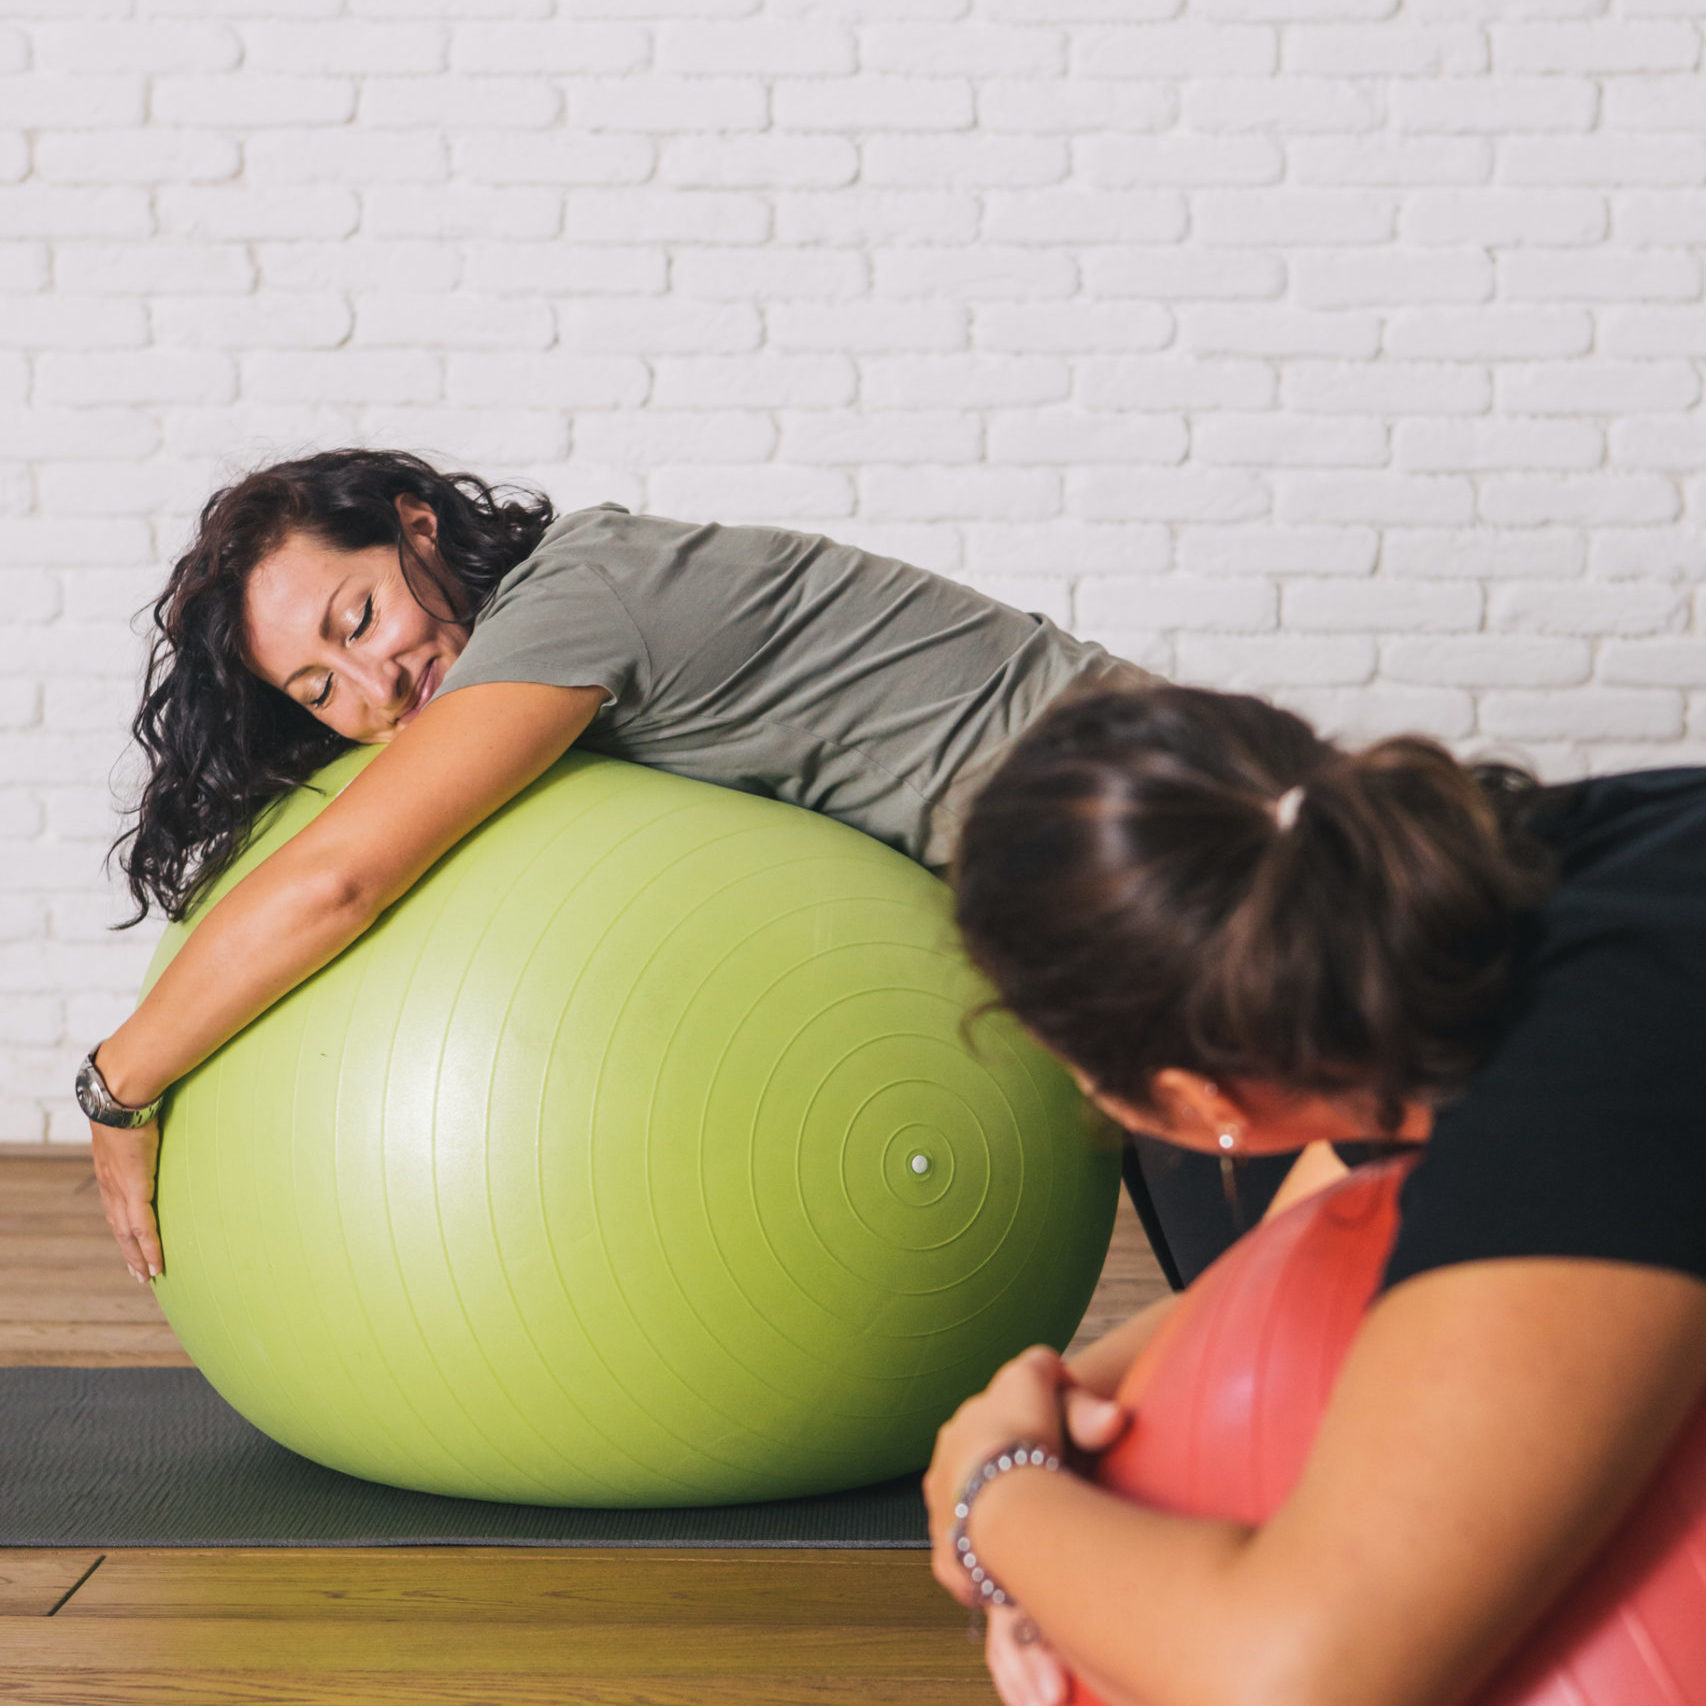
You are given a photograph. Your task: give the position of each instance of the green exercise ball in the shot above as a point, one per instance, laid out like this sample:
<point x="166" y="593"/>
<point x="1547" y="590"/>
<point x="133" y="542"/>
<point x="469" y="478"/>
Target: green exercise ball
<point x="640" y="1155"/>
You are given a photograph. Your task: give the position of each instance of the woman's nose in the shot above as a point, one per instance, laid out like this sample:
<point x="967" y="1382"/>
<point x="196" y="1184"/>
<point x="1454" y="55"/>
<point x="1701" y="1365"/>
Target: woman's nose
<point x="377" y="675"/>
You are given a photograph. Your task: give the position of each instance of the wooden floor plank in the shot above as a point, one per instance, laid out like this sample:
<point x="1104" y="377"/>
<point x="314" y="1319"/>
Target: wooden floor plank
<point x="65" y="1195"/>
<point x="29" y="1247"/>
<point x="70" y="1207"/>
<point x="117" y="1686"/>
<point x="33" y="1583"/>
<point x="72" y="1344"/>
<point x="53" y="1181"/>
<point x="42" y="1297"/>
<point x="565" y="1588"/>
<point x="53" y="1218"/>
<point x="445" y="1647"/>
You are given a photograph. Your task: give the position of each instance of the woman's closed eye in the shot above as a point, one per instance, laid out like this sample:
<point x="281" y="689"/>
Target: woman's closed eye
<point x="363" y="623"/>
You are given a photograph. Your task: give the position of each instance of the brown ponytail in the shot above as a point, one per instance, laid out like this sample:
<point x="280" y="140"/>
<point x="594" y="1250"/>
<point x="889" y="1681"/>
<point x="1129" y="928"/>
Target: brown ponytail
<point x="1147" y="889"/>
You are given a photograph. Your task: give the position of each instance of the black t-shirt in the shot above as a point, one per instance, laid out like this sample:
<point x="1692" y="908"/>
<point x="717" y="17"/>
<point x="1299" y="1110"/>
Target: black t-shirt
<point x="1584" y="1133"/>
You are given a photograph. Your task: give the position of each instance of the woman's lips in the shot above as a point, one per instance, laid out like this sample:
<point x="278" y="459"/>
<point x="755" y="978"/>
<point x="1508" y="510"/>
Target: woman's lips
<point x="424" y="690"/>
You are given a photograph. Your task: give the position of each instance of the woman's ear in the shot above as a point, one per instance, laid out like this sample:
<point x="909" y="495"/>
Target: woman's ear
<point x="1195" y="1109"/>
<point x="420" y="546"/>
<point x="419" y="519"/>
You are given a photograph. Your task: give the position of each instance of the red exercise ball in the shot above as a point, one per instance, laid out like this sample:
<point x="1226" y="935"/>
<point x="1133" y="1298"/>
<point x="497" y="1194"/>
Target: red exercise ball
<point x="1228" y="1394"/>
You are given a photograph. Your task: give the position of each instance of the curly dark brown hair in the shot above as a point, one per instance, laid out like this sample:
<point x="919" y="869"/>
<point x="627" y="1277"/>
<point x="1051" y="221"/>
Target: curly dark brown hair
<point x="220" y="743"/>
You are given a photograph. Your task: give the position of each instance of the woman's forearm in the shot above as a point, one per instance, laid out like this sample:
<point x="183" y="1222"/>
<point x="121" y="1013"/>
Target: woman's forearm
<point x="467" y="753"/>
<point x="274" y="929"/>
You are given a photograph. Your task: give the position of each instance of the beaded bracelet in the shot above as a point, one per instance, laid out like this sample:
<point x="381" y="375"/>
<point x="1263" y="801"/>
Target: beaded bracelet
<point x="1022" y="1454"/>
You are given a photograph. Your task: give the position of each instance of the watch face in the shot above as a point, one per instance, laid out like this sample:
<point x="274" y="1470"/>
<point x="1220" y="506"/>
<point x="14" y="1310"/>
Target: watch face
<point x="88" y="1095"/>
<point x="96" y="1100"/>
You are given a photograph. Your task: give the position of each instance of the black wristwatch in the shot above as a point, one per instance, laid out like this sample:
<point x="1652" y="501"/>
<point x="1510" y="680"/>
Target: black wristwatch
<point x="101" y="1105"/>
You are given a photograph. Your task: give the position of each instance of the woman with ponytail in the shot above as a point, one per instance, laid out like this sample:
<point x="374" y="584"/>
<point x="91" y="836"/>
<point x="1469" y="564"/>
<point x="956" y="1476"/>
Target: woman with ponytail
<point x="1251" y="944"/>
<point x="366" y="596"/>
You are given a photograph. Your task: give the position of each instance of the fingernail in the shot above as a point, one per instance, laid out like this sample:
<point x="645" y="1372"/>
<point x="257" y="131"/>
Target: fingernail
<point x="136" y="1274"/>
<point x="153" y="1272"/>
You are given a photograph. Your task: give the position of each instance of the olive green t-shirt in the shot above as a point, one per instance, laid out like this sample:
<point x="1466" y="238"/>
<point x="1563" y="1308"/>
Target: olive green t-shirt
<point x="782" y="664"/>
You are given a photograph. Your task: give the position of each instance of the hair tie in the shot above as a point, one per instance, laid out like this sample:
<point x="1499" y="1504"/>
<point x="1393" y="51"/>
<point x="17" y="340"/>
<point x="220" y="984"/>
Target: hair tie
<point x="1286" y="807"/>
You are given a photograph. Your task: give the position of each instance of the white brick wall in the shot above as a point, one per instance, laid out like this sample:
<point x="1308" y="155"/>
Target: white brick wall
<point x="1345" y="349"/>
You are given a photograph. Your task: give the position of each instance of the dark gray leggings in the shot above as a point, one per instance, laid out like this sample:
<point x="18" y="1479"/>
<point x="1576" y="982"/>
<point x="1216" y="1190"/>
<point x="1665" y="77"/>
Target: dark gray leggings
<point x="1181" y="1199"/>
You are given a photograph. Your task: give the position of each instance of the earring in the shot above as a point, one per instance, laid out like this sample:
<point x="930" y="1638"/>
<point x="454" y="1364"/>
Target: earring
<point x="1228" y="1141"/>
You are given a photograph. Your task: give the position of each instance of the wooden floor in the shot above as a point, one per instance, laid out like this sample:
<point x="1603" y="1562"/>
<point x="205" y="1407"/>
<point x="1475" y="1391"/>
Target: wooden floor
<point x="443" y="1626"/>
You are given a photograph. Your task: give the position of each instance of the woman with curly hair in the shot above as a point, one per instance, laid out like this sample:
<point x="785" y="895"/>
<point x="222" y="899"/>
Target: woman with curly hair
<point x="364" y="596"/>
<point x="1248" y="941"/>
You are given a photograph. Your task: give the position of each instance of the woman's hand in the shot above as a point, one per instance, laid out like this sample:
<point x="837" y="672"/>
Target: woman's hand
<point x="1023" y="1401"/>
<point x="1034" y="1397"/>
<point x="125" y="1158"/>
<point x="1022" y="1666"/>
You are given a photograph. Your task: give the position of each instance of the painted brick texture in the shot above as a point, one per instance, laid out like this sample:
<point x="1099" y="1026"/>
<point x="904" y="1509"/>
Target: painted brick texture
<point x="1347" y="350"/>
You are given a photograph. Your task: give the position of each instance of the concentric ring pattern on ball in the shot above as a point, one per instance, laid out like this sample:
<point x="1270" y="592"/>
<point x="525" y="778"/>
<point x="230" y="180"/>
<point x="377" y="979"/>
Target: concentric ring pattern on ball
<point x="640" y="1155"/>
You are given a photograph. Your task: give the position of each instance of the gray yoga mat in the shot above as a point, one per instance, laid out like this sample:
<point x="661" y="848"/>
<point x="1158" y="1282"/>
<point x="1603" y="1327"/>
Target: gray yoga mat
<point x="154" y="1457"/>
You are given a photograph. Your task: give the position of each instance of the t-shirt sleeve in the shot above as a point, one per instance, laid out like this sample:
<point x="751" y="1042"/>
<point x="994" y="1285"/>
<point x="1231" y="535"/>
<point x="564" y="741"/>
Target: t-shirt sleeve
<point x="557" y="622"/>
<point x="1583" y="1134"/>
